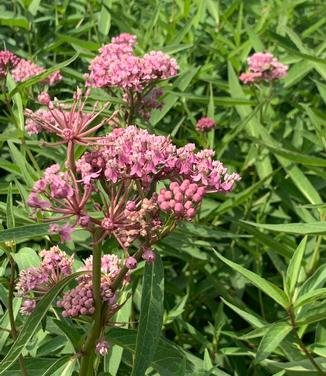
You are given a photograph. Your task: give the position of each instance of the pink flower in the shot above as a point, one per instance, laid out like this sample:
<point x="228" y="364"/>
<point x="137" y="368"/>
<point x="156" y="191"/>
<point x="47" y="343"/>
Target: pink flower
<point x="64" y="231"/>
<point x="149" y="255"/>
<point x="117" y="66"/>
<point x="44" y="98"/>
<point x="263" y="67"/>
<point x="102" y="347"/>
<point x="34" y="202"/>
<point x="131" y="263"/>
<point x="7" y="62"/>
<point x="205" y="124"/>
<point x="26" y="69"/>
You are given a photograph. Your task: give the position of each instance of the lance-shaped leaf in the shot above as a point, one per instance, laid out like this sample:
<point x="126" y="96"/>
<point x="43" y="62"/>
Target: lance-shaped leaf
<point x="267" y="287"/>
<point x="151" y="316"/>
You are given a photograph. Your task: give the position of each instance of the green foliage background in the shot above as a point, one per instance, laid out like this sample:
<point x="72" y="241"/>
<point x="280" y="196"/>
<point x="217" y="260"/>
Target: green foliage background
<point x="218" y="318"/>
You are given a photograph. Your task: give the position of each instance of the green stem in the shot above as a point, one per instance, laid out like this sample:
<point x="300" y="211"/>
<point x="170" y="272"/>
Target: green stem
<point x="13" y="331"/>
<point x="88" y="351"/>
<point x="302" y="345"/>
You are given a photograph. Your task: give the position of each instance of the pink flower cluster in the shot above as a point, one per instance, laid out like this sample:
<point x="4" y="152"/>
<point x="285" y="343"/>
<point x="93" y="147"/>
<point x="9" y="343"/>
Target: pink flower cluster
<point x="72" y="125"/>
<point x="205" y="124"/>
<point x="25" y="69"/>
<point x="263" y="67"/>
<point x="34" y="282"/>
<point x="136" y="154"/>
<point x="8" y="61"/>
<point x="80" y="301"/>
<point x="181" y="199"/>
<point x="127" y="164"/>
<point x="117" y="66"/>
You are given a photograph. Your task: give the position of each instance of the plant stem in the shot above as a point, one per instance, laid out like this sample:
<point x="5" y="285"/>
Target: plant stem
<point x="13" y="331"/>
<point x="302" y="345"/>
<point x="88" y="351"/>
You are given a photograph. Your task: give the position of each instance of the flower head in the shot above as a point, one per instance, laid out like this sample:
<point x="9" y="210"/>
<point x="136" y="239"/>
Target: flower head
<point x="8" y="61"/>
<point x="205" y="124"/>
<point x="25" y="69"/>
<point x="263" y="67"/>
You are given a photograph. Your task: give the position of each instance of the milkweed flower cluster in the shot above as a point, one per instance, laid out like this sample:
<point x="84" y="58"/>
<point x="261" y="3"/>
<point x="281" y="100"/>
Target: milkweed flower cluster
<point x="8" y="61"/>
<point x="263" y="67"/>
<point x="205" y="124"/>
<point x="26" y="69"/>
<point x="34" y="282"/>
<point x="117" y="66"/>
<point x="127" y="164"/>
<point x="79" y="300"/>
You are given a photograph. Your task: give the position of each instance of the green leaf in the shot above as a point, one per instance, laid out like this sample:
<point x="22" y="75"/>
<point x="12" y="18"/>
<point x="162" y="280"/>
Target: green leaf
<point x="168" y="358"/>
<point x="104" y="23"/>
<point x="310" y="297"/>
<point x="26" y="258"/>
<point x="33" y="321"/>
<point x="262" y="284"/>
<point x="272" y="339"/>
<point x="56" y="365"/>
<point x="10" y="213"/>
<point x="253" y="320"/>
<point x="22" y="163"/>
<point x="112" y="361"/>
<point x="151" y="316"/>
<point x="35" y="79"/>
<point x="313" y="228"/>
<point x="12" y="20"/>
<point x="293" y="271"/>
<point x="24" y="232"/>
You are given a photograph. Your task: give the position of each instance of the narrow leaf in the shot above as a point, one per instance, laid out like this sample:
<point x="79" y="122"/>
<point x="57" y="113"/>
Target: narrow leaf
<point x="151" y="316"/>
<point x="262" y="284"/>
<point x="294" y="267"/>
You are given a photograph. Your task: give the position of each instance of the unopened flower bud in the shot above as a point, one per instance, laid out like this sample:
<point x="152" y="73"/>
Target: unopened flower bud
<point x="148" y="255"/>
<point x="44" y="98"/>
<point x="131" y="263"/>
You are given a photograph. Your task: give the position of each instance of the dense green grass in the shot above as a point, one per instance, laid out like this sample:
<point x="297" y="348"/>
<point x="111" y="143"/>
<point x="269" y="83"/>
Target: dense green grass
<point x="221" y="319"/>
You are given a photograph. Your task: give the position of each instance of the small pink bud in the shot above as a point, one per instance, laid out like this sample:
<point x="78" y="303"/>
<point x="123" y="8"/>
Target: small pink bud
<point x="189" y="193"/>
<point x="84" y="221"/>
<point x="148" y="255"/>
<point x="164" y="205"/>
<point x="191" y="212"/>
<point x="172" y="204"/>
<point x="131" y="263"/>
<point x="102" y="347"/>
<point x="168" y="195"/>
<point x="174" y="185"/>
<point x="196" y="198"/>
<point x="178" y="197"/>
<point x="44" y="98"/>
<point x="131" y="205"/>
<point x="188" y="205"/>
<point x="178" y="207"/>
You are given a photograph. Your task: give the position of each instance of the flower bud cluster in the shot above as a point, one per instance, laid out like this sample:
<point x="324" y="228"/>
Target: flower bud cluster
<point x="79" y="300"/>
<point x="205" y="124"/>
<point x="8" y="61"/>
<point x="34" y="282"/>
<point x="182" y="200"/>
<point x="263" y="67"/>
